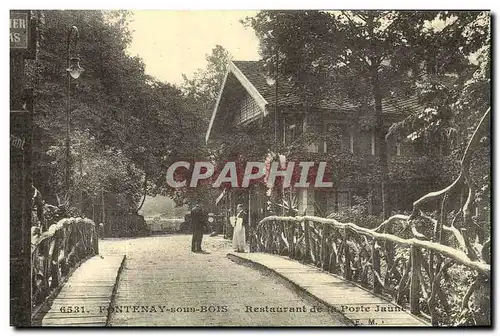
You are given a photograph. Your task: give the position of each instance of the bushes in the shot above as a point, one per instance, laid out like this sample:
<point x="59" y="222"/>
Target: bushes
<point x="357" y="214"/>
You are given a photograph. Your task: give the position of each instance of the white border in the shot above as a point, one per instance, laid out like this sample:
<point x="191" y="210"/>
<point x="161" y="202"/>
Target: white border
<point x="199" y="4"/>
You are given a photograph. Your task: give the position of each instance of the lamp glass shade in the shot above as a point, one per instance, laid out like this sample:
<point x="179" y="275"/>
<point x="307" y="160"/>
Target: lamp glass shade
<point x="75" y="70"/>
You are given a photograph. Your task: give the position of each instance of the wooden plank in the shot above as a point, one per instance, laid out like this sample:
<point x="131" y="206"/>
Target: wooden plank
<point x="86" y="289"/>
<point x="66" y="316"/>
<point x="68" y="322"/>
<point x="79" y="302"/>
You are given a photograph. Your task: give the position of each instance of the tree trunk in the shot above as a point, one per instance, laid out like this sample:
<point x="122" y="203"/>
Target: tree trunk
<point x="381" y="145"/>
<point x="482" y="301"/>
<point x="380" y="142"/>
<point x="145" y="191"/>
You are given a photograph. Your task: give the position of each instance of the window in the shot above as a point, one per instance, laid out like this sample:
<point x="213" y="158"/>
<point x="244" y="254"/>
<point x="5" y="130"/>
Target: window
<point x="313" y="148"/>
<point x="419" y="147"/>
<point x="373" y="142"/>
<point x="343" y="200"/>
<point x="332" y="201"/>
<point x="290" y="134"/>
<point x="395" y="147"/>
<point x="338" y="136"/>
<point x="365" y="143"/>
<point x="291" y="127"/>
<point x="398" y="148"/>
<point x="326" y="202"/>
<point x="321" y="202"/>
<point x="407" y="148"/>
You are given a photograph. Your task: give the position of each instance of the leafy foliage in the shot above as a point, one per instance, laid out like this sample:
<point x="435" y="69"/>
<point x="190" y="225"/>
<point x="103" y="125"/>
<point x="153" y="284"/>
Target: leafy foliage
<point x="126" y="127"/>
<point x="365" y="57"/>
<point x="204" y="87"/>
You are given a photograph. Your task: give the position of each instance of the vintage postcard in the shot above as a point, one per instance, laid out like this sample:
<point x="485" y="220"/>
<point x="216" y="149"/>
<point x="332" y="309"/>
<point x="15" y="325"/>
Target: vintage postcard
<point x="250" y="168"/>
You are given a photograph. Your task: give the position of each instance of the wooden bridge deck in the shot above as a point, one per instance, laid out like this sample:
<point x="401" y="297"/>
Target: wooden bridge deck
<point x="162" y="283"/>
<point x="171" y="286"/>
<point x="358" y="305"/>
<point x="86" y="296"/>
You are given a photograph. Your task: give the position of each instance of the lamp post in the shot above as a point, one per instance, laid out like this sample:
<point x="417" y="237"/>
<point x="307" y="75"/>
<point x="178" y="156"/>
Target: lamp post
<point x="74" y="71"/>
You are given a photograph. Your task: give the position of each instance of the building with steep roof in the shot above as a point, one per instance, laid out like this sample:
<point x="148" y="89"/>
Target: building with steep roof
<point x="248" y="95"/>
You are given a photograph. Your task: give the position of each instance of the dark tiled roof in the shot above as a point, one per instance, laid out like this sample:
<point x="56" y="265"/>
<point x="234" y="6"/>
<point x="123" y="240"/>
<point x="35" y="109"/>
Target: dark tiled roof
<point x="255" y="72"/>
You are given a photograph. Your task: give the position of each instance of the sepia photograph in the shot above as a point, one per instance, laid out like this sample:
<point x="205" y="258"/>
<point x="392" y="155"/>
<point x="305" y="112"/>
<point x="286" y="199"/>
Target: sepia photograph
<point x="250" y="168"/>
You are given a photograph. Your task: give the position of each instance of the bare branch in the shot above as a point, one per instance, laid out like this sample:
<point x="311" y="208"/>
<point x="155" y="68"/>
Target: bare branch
<point x="458" y="236"/>
<point x="468" y="294"/>
<point x="351" y="22"/>
<point x="390" y="220"/>
<point x="476" y="137"/>
<point x="434" y="195"/>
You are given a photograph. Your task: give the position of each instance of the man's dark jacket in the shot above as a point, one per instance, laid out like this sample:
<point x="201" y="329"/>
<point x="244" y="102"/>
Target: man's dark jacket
<point x="197" y="219"/>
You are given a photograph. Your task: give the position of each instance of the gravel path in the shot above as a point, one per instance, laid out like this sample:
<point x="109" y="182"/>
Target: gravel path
<point x="164" y="284"/>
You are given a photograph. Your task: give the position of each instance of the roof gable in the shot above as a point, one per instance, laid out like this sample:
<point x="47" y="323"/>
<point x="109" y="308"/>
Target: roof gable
<point x="246" y="84"/>
<point x="253" y="77"/>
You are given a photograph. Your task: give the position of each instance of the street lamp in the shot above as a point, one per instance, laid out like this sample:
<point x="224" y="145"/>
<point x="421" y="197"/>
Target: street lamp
<point x="74" y="71"/>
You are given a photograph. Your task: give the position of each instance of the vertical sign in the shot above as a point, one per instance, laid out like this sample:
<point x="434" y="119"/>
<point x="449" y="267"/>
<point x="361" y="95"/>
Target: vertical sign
<point x="18" y="29"/>
<point x="22" y="46"/>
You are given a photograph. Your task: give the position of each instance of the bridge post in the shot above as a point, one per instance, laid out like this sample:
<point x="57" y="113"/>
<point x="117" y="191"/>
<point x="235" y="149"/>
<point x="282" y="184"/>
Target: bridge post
<point x="289" y="238"/>
<point x="377" y="287"/>
<point x="324" y="248"/>
<point x="281" y="243"/>
<point x="347" y="257"/>
<point x="272" y="239"/>
<point x="96" y="240"/>
<point x="54" y="261"/>
<point x="307" y="242"/>
<point x="482" y="301"/>
<point x="268" y="237"/>
<point x="415" y="256"/>
<point x="252" y="244"/>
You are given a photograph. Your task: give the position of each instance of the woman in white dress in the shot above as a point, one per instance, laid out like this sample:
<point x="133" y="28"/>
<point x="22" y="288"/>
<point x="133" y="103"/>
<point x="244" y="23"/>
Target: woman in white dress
<point x="239" y="224"/>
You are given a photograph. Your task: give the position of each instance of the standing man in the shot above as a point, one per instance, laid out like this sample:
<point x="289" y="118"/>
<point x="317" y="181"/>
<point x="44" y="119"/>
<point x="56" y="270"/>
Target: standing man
<point x="197" y="223"/>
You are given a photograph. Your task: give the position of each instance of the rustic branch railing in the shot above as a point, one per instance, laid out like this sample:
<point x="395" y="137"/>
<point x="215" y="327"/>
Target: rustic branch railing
<point x="56" y="251"/>
<point x="357" y="254"/>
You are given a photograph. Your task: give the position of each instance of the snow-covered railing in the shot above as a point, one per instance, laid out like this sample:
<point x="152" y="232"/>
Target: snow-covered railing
<point x="404" y="273"/>
<point x="55" y="252"/>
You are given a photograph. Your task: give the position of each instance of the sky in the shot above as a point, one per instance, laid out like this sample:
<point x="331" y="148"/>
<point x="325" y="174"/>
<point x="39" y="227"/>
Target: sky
<point x="175" y="42"/>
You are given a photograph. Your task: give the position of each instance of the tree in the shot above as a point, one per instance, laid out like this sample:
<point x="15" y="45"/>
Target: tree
<point x="126" y="127"/>
<point x="364" y="57"/>
<point x="347" y="52"/>
<point x="205" y="85"/>
<point x="458" y="91"/>
<point x="93" y="96"/>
